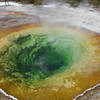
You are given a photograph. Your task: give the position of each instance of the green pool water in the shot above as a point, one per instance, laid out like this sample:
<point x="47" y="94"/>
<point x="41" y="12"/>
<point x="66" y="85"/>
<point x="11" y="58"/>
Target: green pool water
<point x="39" y="54"/>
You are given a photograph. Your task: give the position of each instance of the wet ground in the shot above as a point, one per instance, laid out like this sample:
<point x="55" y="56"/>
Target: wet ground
<point x="9" y="19"/>
<point x="83" y="16"/>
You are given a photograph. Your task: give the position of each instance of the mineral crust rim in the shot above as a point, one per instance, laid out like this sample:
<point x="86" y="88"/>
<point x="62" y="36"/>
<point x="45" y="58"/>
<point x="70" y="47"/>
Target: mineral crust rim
<point x="7" y="95"/>
<point x="89" y="89"/>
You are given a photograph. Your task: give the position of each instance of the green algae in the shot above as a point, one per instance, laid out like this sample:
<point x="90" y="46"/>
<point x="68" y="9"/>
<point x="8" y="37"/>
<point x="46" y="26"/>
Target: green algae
<point x="39" y="56"/>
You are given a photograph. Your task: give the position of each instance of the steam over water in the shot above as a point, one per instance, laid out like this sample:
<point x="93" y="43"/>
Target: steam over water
<point x="61" y="13"/>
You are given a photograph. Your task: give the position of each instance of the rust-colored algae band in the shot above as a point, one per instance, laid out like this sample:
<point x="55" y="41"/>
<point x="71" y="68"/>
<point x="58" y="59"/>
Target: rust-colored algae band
<point x="11" y="30"/>
<point x="48" y="63"/>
